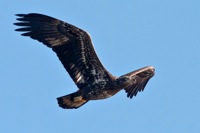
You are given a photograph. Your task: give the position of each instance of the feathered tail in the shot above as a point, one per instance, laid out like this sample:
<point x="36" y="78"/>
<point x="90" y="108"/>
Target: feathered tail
<point x="71" y="101"/>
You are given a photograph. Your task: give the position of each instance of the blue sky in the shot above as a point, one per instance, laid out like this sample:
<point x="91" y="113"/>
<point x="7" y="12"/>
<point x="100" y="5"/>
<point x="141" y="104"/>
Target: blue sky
<point x="127" y="35"/>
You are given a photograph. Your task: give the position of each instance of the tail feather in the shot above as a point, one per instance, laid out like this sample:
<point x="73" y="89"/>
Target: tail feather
<point x="71" y="101"/>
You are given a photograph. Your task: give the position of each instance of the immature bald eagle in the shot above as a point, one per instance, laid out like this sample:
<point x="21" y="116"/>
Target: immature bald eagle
<point x="74" y="48"/>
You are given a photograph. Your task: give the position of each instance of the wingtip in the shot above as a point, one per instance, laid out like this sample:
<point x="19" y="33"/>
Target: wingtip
<point x="129" y="95"/>
<point x="17" y="24"/>
<point x="20" y="15"/>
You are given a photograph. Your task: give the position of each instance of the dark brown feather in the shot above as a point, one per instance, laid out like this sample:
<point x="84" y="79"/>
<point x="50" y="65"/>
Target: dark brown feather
<point x="72" y="45"/>
<point x="141" y="78"/>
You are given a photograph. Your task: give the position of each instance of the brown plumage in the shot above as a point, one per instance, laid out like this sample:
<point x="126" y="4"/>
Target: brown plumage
<point x="74" y="49"/>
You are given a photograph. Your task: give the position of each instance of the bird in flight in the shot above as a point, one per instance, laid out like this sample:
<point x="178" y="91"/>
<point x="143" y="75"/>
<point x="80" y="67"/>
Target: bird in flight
<point x="75" y="50"/>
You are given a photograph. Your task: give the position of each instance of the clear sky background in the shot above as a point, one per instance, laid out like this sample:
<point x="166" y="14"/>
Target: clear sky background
<point x="127" y="35"/>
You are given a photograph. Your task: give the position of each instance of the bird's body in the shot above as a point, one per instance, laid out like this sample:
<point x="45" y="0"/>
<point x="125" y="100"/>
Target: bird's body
<point x="75" y="50"/>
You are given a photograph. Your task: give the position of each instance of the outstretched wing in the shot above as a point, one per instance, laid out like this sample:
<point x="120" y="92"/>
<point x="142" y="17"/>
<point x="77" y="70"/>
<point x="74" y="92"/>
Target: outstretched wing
<point x="72" y="45"/>
<point x="141" y="78"/>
